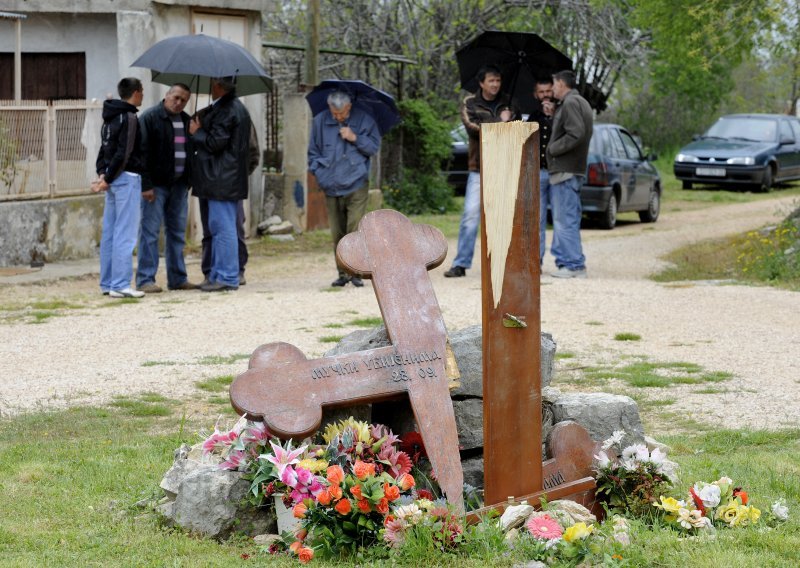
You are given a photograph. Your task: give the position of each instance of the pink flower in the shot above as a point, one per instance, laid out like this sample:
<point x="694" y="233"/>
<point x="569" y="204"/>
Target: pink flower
<point x="289" y="476"/>
<point x="544" y="527"/>
<point x="218" y="440"/>
<point x="256" y="432"/>
<point x="395" y="532"/>
<point x="235" y="459"/>
<point x="283" y="458"/>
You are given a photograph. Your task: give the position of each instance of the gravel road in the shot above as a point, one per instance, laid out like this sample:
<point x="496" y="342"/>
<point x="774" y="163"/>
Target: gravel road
<point x="165" y="343"/>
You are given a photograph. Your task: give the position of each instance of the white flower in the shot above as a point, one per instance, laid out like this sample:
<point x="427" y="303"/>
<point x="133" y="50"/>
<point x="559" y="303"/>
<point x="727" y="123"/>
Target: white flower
<point x="708" y="493"/>
<point x="410" y="513"/>
<point x="614" y="440"/>
<point x="692" y="519"/>
<point x="637" y="452"/>
<point x="657" y="456"/>
<point x="780" y="510"/>
<point x="603" y="460"/>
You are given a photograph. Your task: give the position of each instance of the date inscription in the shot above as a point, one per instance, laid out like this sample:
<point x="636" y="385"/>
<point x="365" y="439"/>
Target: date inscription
<point x="403" y="361"/>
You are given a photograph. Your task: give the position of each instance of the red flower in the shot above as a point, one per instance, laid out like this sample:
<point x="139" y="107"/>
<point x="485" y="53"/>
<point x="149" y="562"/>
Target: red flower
<point x="245" y="556"/>
<point x="363" y="505"/>
<point x="343" y="506"/>
<point x="425" y="494"/>
<point x="412" y="444"/>
<point x="356" y="491"/>
<point x="388" y="519"/>
<point x="405" y="481"/>
<point x="742" y="495"/>
<point x="697" y="501"/>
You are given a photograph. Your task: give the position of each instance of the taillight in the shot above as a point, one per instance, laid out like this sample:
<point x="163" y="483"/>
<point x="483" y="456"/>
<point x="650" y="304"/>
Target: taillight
<point x="597" y="174"/>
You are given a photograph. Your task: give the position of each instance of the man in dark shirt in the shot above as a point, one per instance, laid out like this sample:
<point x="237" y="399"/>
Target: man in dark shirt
<point x="543" y="114"/>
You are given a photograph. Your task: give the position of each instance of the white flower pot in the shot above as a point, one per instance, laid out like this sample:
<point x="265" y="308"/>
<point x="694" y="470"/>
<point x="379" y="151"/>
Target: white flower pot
<point x="286" y="520"/>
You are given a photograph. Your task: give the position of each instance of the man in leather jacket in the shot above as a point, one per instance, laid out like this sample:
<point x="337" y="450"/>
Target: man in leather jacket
<point x="220" y="170"/>
<point x="165" y="189"/>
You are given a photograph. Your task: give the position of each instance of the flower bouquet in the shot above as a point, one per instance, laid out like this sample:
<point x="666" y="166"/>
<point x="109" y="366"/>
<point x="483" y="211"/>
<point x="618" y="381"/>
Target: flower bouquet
<point x="633" y="480"/>
<point x="708" y="505"/>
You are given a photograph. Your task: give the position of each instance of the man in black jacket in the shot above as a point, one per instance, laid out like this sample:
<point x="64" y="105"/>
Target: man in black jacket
<point x="219" y="171"/>
<point x="165" y="185"/>
<point x="119" y="166"/>
<point x="543" y="110"/>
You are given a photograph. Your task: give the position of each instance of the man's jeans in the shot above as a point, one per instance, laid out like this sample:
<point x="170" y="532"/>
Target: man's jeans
<point x="205" y="261"/>
<point x="470" y="219"/>
<point x="544" y="201"/>
<point x="171" y="207"/>
<point x="224" y="244"/>
<point x="565" y="203"/>
<point x="120" y="225"/>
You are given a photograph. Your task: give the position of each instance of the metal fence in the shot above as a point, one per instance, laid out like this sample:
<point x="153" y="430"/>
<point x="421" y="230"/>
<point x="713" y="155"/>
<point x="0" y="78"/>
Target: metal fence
<point x="48" y="149"/>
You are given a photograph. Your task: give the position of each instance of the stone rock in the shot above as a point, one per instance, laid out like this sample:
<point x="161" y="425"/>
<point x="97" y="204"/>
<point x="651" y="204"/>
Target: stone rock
<point x="264" y="225"/>
<point x="204" y="499"/>
<point x="265" y="539"/>
<point x="577" y="512"/>
<point x="561" y="516"/>
<point x="512" y="535"/>
<point x="653" y="444"/>
<point x="514" y="516"/>
<point x="601" y="414"/>
<point x="360" y="340"/>
<point x="473" y="471"/>
<point x="531" y="564"/>
<point x="284" y="228"/>
<point x="469" y="422"/>
<point x="282" y="238"/>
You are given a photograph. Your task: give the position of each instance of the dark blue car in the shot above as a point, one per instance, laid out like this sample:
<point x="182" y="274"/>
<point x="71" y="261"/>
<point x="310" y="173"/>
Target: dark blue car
<point x="619" y="178"/>
<point x="745" y="150"/>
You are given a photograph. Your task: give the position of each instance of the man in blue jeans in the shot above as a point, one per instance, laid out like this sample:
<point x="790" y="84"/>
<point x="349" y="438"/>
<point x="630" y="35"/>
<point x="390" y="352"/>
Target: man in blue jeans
<point x="165" y="182"/>
<point x="567" y="153"/>
<point x="544" y="107"/>
<point x="488" y="104"/>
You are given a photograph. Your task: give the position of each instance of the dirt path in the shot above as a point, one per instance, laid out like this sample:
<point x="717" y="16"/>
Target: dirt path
<point x="101" y="348"/>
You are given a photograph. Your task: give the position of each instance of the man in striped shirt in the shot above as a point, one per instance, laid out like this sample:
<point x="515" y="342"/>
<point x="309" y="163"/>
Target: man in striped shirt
<point x="165" y="185"/>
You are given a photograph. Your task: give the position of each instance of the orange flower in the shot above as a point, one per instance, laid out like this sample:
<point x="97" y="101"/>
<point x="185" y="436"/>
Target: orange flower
<point x="363" y="470"/>
<point x="295" y="546"/>
<point x="305" y="555"/>
<point x="301" y="534"/>
<point x="356" y="491"/>
<point x="392" y="492"/>
<point x="335" y="491"/>
<point x="383" y="506"/>
<point x="363" y="505"/>
<point x="343" y="506"/>
<point x="299" y="511"/>
<point x="406" y="481"/>
<point x="388" y="519"/>
<point x="741" y="495"/>
<point x="324" y="497"/>
<point x="335" y="474"/>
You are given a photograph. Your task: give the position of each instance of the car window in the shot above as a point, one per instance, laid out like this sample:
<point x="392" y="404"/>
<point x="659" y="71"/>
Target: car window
<point x="630" y="146"/>
<point x="796" y="127"/>
<point x="745" y="128"/>
<point x="786" y="130"/>
<point x="599" y="142"/>
<point x="616" y="149"/>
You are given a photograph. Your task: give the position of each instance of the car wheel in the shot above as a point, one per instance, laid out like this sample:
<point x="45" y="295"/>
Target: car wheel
<point x="650" y="215"/>
<point x="766" y="182"/>
<point x="687" y="185"/>
<point x="608" y="219"/>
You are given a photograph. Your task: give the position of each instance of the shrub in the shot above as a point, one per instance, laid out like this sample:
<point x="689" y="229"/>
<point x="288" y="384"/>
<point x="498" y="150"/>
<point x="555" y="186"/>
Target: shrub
<point x="414" y="153"/>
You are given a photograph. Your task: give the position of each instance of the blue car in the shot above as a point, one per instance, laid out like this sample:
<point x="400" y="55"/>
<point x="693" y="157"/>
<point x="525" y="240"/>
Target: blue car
<point x="619" y="178"/>
<point x="754" y="151"/>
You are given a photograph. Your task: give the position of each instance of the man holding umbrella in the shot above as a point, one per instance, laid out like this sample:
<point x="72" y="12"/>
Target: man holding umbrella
<point x="219" y="171"/>
<point x="343" y="138"/>
<point x="488" y="104"/>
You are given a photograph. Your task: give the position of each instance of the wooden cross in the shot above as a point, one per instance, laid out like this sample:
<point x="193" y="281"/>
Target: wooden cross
<point x="512" y="402"/>
<point x="288" y="391"/>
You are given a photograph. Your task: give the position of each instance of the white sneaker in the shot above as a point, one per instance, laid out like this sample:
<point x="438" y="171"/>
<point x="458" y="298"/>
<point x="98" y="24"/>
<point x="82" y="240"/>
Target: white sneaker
<point x="126" y="293"/>
<point x="565" y="272"/>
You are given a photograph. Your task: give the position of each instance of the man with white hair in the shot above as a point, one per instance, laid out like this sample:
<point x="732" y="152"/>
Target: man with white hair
<point x="342" y="140"/>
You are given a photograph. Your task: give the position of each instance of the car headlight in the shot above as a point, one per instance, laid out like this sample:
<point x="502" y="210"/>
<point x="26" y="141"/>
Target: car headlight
<point x="742" y="161"/>
<point x="686" y="158"/>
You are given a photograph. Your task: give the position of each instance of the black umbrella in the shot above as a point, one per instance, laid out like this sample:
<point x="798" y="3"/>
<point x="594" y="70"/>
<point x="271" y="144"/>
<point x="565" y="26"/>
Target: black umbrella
<point x="195" y="59"/>
<point x="379" y="105"/>
<point x="521" y="57"/>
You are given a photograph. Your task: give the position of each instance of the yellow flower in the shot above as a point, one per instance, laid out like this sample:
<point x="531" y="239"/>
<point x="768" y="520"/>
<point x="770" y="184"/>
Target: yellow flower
<point x="576" y="532"/>
<point x="754" y="514"/>
<point x="669" y="504"/>
<point x="361" y="430"/>
<point x="312" y="465"/>
<point x="729" y="512"/>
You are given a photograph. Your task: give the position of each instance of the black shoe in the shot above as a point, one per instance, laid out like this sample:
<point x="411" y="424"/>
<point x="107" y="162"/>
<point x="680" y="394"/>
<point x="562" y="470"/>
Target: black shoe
<point x="217" y="287"/>
<point x="455" y="272"/>
<point x="242" y="281"/>
<point x="341" y="281"/>
<point x="357" y="282"/>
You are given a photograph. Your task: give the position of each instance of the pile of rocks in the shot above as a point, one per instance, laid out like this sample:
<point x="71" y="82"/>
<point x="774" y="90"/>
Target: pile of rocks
<point x="276" y="228"/>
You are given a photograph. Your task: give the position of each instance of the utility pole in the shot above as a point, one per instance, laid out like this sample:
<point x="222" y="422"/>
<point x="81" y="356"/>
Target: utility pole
<point x="311" y="77"/>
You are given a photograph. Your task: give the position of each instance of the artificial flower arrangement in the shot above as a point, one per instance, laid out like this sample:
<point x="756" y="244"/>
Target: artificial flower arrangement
<point x="353" y="490"/>
<point x="632" y="480"/>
